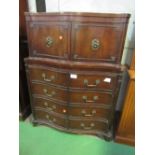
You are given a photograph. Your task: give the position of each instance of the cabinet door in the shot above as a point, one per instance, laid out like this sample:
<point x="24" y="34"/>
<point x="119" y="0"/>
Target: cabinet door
<point x="97" y="42"/>
<point x="49" y="39"/>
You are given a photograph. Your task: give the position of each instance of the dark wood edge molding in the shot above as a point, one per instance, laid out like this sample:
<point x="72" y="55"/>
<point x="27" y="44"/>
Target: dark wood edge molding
<point x="76" y="65"/>
<point x="84" y="14"/>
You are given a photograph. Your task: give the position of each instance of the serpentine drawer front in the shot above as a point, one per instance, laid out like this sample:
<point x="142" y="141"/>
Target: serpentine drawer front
<point x="74" y="71"/>
<point x="50" y="76"/>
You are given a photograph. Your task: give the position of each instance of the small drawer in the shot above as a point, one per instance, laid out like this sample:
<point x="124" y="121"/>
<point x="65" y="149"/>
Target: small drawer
<point x="87" y="125"/>
<point x="88" y="112"/>
<point x="49" y="76"/>
<point x="106" y="82"/>
<point x="41" y="115"/>
<point x="49" y="105"/>
<point x="91" y="97"/>
<point x="49" y="91"/>
<point x="49" y="39"/>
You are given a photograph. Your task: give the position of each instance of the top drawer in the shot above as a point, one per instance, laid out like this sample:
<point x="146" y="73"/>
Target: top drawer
<point x="97" y="42"/>
<point x="49" y="39"/>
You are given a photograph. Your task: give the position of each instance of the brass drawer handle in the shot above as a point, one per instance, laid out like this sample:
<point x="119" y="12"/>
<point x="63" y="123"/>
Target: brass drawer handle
<point x="49" y="41"/>
<point x="48" y="117"/>
<point x="50" y="95"/>
<point x="52" y="78"/>
<point x="50" y="108"/>
<point x="87" y="128"/>
<point x="89" y="101"/>
<point x="95" y="44"/>
<point x="88" y="115"/>
<point x="91" y="85"/>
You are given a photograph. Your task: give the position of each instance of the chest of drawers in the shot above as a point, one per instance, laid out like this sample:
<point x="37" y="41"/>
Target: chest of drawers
<point x="74" y="70"/>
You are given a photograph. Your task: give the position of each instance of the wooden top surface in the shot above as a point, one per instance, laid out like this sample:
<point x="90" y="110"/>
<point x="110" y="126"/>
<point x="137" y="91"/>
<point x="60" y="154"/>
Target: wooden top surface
<point x="87" y="14"/>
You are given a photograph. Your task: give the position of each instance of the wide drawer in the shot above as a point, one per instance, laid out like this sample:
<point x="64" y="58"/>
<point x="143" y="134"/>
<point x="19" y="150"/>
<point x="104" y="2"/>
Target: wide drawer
<point x="87" y="112"/>
<point x="87" y="125"/>
<point x="46" y="117"/>
<point x="49" y="105"/>
<point x="49" y="91"/>
<point x="49" y="39"/>
<point x="91" y="97"/>
<point x="50" y="76"/>
<point x="87" y="80"/>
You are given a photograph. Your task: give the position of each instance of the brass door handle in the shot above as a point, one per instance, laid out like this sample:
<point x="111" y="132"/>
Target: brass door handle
<point x="51" y="94"/>
<point x="88" y="115"/>
<point x="49" y="41"/>
<point x="91" y="85"/>
<point x="95" y="44"/>
<point x="89" y="101"/>
<point x="87" y="128"/>
<point x="52" y="78"/>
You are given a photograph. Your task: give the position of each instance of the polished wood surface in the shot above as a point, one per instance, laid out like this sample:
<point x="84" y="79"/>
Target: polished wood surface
<point x="50" y="105"/>
<point x="88" y="112"/>
<point x="87" y="97"/>
<point x="50" y="118"/>
<point x="49" y="91"/>
<point x="74" y="70"/>
<point x="78" y="32"/>
<point x="108" y="36"/>
<point x="57" y="33"/>
<point x="48" y="75"/>
<point x="126" y="130"/>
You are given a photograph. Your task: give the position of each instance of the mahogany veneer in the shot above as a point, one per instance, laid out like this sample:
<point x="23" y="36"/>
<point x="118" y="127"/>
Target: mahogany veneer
<point x="74" y="70"/>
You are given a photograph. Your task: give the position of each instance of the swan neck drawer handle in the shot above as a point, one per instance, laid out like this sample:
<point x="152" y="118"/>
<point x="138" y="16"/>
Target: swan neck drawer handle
<point x="88" y="115"/>
<point x="91" y="85"/>
<point x="51" y="94"/>
<point x="52" y="78"/>
<point x="90" y="101"/>
<point x="87" y="128"/>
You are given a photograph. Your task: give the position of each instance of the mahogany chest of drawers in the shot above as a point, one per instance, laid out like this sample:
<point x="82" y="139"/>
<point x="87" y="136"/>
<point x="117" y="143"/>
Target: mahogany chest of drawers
<point x="74" y="70"/>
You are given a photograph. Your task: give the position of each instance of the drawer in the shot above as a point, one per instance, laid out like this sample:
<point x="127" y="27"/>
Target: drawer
<point x="41" y="115"/>
<point x="91" y="97"/>
<point x="49" y="105"/>
<point x="88" y="125"/>
<point x="49" y="39"/>
<point x="102" y="81"/>
<point x="49" y="76"/>
<point x="88" y="112"/>
<point x="97" y="42"/>
<point x="49" y="91"/>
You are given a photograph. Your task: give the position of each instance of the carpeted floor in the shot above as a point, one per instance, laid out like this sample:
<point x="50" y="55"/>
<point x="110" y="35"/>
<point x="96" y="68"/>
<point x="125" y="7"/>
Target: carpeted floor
<point x="42" y="140"/>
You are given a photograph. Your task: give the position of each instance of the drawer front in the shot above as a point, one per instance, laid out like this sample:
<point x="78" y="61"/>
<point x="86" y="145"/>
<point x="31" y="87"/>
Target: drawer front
<point x="49" y="39"/>
<point x="97" y="42"/>
<point x="106" y="82"/>
<point x="91" y="97"/>
<point x="89" y="112"/>
<point x="49" y="105"/>
<point x="47" y="117"/>
<point x="48" y="91"/>
<point x="87" y="125"/>
<point x="48" y="76"/>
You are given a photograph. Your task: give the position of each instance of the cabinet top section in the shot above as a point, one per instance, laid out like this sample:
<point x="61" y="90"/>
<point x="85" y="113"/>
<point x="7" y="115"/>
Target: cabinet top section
<point x="78" y="16"/>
